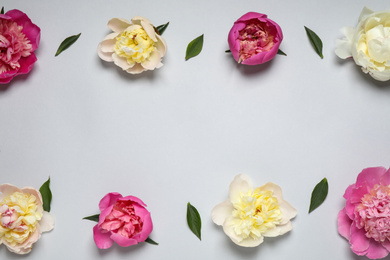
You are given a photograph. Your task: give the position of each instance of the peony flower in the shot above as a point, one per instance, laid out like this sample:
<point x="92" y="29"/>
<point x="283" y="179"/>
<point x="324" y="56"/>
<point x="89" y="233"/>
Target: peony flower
<point x="135" y="46"/>
<point x="365" y="219"/>
<point x="368" y="43"/>
<point x="250" y="214"/>
<point x="123" y="220"/>
<point x="19" y="38"/>
<point x="22" y="218"/>
<point x="254" y="39"/>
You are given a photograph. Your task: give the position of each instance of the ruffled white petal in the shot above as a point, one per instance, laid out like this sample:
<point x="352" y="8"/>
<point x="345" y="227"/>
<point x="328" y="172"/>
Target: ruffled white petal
<point x="242" y="183"/>
<point x="221" y="212"/>
<point x="118" y="24"/>
<point x="47" y="222"/>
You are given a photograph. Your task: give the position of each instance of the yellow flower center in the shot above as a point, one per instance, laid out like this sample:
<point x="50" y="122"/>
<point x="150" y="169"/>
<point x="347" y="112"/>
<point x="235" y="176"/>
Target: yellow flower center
<point x="18" y="217"/>
<point x="135" y="46"/>
<point x="254" y="213"/>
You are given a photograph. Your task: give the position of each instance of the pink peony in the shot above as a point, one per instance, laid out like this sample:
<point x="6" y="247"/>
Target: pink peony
<point x="254" y="39"/>
<point x="365" y="219"/>
<point x="123" y="220"/>
<point x="19" y="38"/>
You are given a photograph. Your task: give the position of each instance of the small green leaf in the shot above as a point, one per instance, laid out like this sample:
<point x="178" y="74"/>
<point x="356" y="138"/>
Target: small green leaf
<point x="161" y="28"/>
<point x="2" y="10"/>
<point x="315" y="41"/>
<point x="65" y="44"/>
<point x="46" y="195"/>
<point x="93" y="217"/>
<point x="280" y="52"/>
<point x="193" y="220"/>
<point x="151" y="241"/>
<point x="319" y="194"/>
<point x="227" y="51"/>
<point x="194" y="47"/>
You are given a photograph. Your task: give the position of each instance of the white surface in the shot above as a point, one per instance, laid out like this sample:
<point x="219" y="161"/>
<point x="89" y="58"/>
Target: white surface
<point x="182" y="132"/>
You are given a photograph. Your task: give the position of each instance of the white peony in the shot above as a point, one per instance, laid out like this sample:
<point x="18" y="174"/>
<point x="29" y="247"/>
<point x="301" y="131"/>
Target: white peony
<point x="368" y="43"/>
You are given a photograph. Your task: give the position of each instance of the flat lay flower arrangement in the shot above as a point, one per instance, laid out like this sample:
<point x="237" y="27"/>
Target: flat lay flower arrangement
<point x="252" y="213"/>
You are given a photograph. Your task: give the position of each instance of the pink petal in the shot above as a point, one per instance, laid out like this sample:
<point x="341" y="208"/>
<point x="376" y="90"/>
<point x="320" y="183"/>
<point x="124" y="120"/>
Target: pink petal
<point x="108" y="200"/>
<point x="358" y="193"/>
<point x="376" y="250"/>
<point x="147" y="228"/>
<point x="359" y="242"/>
<point x="7" y="189"/>
<point x="370" y="176"/>
<point x="26" y="64"/>
<point x="102" y="240"/>
<point x="104" y="213"/>
<point x="32" y="32"/>
<point x="251" y="15"/>
<point x="385" y="179"/>
<point x="32" y="191"/>
<point x="344" y="224"/>
<point x="134" y="199"/>
<point x="123" y="241"/>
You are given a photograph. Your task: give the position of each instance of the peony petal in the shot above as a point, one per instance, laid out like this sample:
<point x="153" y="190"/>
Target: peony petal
<point x="106" y="49"/>
<point x="288" y="212"/>
<point x="26" y="246"/>
<point x="7" y="189"/>
<point x="221" y="212"/>
<point x="357" y="194"/>
<point x="161" y="45"/>
<point x="103" y="214"/>
<point x="32" y="191"/>
<point x="359" y="242"/>
<point x="102" y="240"/>
<point x="370" y="176"/>
<point x="47" y="222"/>
<point x="147" y="228"/>
<point x="242" y="183"/>
<point x="365" y="12"/>
<point x="108" y="200"/>
<point x="344" y="224"/>
<point x="32" y="32"/>
<point x="136" y="69"/>
<point x="248" y="242"/>
<point x="278" y="230"/>
<point x="122" y="62"/>
<point x="152" y="62"/>
<point x="123" y="241"/>
<point x="276" y="190"/>
<point x="118" y="24"/>
<point x="376" y="250"/>
<point x="385" y="179"/>
<point x="251" y="15"/>
<point x="134" y="199"/>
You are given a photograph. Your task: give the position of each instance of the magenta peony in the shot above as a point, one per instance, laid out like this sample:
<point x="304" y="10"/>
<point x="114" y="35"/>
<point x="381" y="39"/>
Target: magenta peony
<point x="365" y="219"/>
<point x="123" y="220"/>
<point x="254" y="39"/>
<point x="19" y="38"/>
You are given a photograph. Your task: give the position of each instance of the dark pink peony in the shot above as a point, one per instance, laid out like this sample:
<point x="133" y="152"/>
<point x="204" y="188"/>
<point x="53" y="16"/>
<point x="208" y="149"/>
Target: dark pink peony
<point x="254" y="39"/>
<point x="19" y="38"/>
<point x="123" y="220"/>
<point x="365" y="219"/>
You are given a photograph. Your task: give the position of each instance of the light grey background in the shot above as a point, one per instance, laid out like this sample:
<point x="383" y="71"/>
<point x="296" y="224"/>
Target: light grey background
<point x="181" y="133"/>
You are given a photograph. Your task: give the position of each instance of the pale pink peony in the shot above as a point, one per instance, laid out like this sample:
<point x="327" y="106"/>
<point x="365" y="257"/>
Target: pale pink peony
<point x="134" y="46"/>
<point x="22" y="218"/>
<point x="365" y="219"/>
<point x="254" y="39"/>
<point x="19" y="38"/>
<point x="123" y="220"/>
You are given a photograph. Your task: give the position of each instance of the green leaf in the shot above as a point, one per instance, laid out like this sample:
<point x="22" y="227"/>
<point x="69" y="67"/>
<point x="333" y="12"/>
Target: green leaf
<point x="315" y="41"/>
<point x="93" y="217"/>
<point x="193" y="220"/>
<point x="194" y="47"/>
<point x="227" y="51"/>
<point x="319" y="194"/>
<point x="161" y="28"/>
<point x="280" y="52"/>
<point x="151" y="241"/>
<point x="2" y="10"/>
<point x="65" y="44"/>
<point x="46" y="195"/>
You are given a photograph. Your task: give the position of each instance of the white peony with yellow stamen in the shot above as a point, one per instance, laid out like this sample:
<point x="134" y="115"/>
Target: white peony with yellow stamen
<point x="22" y="218"/>
<point x="134" y="46"/>
<point x="250" y="214"/>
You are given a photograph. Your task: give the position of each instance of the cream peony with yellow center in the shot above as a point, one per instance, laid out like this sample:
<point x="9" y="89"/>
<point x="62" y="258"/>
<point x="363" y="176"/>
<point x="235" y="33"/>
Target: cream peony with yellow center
<point x="22" y="218"/>
<point x="135" y="46"/>
<point x="368" y="44"/>
<point x="250" y="214"/>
